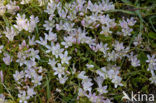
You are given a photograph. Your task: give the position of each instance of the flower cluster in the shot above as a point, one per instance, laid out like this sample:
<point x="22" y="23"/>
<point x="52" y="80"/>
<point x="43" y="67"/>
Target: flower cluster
<point x="41" y="2"/>
<point x="125" y="25"/>
<point x="31" y="76"/>
<point x="11" y="7"/>
<point x="22" y="24"/>
<point x="152" y="67"/>
<point x="80" y="44"/>
<point x="81" y="36"/>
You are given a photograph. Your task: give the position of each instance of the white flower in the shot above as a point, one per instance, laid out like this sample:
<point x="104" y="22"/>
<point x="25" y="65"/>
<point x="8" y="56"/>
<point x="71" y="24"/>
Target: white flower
<point x="57" y="51"/>
<point x="80" y="4"/>
<point x="18" y="75"/>
<point x="92" y="97"/>
<point x="103" y="48"/>
<point x="117" y="81"/>
<point x="102" y="72"/>
<point x="81" y="92"/>
<point x="107" y="21"/>
<point x="2" y="9"/>
<point x="37" y="80"/>
<point x="59" y="26"/>
<point x="2" y="98"/>
<point x="87" y="84"/>
<point x="131" y="21"/>
<point x="134" y="61"/>
<point x="40" y="69"/>
<point x="7" y="59"/>
<point x="82" y="75"/>
<point x="105" y="30"/>
<point x="73" y="69"/>
<point x="50" y="48"/>
<point x="32" y="40"/>
<point x="65" y="58"/>
<point x="1" y="48"/>
<point x="62" y="13"/>
<point x="42" y="2"/>
<point x="107" y="101"/>
<point x="49" y="25"/>
<point x="51" y="7"/>
<point x="42" y="41"/>
<point x="68" y="41"/>
<point x="89" y="66"/>
<point x="62" y="80"/>
<point x="29" y="63"/>
<point x="106" y="5"/>
<point x="58" y="90"/>
<point x="99" y="80"/>
<point x="52" y="63"/>
<point x="137" y="40"/>
<point x="32" y="23"/>
<point x="30" y="92"/>
<point x="10" y="33"/>
<point x="23" y="45"/>
<point x="30" y="72"/>
<point x="112" y="73"/>
<point x="93" y="7"/>
<point x="82" y="38"/>
<point x="153" y="79"/>
<point x="11" y="7"/>
<point x="1" y="76"/>
<point x="151" y="60"/>
<point x="151" y="67"/>
<point x="21" y="22"/>
<point x="34" y="54"/>
<point x="118" y="46"/>
<point x="127" y="32"/>
<point x="51" y="36"/>
<point x="25" y="1"/>
<point x="101" y="89"/>
<point x="23" y="97"/>
<point x="112" y="56"/>
<point x="21" y="58"/>
<point x="68" y="26"/>
<point x="72" y="14"/>
<point x="59" y="70"/>
<point x="25" y="24"/>
<point x="123" y="24"/>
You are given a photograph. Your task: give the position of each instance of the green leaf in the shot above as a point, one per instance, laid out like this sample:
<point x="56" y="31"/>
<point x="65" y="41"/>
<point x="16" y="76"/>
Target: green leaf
<point x="48" y="89"/>
<point x="152" y="35"/>
<point x="151" y="22"/>
<point x="6" y="20"/>
<point x="142" y="57"/>
<point x="126" y="1"/>
<point x="123" y="11"/>
<point x="153" y="44"/>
